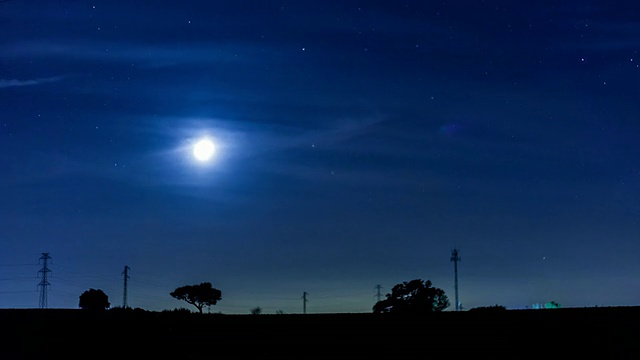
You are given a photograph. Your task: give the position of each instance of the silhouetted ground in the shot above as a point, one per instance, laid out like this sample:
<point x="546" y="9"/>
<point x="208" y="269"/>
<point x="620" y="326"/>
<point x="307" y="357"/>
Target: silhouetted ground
<point x="586" y="333"/>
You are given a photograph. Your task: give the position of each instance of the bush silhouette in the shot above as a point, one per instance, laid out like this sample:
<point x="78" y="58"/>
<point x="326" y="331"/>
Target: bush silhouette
<point x="93" y="299"/>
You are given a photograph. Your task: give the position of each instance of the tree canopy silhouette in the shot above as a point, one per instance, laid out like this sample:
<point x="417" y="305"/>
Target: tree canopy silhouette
<point x="93" y="299"/>
<point x="198" y="295"/>
<point x="413" y="297"/>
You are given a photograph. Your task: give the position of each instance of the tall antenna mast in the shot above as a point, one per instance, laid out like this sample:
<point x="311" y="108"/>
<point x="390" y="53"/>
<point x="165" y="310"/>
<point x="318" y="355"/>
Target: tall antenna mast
<point x="124" y="296"/>
<point x="44" y="283"/>
<point x="455" y="258"/>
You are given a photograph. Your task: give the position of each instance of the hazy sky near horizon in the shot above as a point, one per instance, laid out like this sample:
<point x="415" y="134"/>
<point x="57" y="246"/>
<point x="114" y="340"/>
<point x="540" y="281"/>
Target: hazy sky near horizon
<point x="357" y="144"/>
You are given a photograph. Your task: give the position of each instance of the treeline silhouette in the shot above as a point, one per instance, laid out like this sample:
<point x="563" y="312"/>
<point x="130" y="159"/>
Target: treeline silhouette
<point x="409" y="322"/>
<point x="409" y="297"/>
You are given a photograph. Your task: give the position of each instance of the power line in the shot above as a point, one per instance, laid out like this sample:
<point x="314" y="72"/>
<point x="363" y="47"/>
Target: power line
<point x="17" y="277"/>
<point x="17" y="264"/>
<point x="82" y="273"/>
<point x="17" y="292"/>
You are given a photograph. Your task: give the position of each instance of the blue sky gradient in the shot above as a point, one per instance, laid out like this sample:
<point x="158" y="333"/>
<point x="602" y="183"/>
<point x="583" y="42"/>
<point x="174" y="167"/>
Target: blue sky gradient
<point x="358" y="143"/>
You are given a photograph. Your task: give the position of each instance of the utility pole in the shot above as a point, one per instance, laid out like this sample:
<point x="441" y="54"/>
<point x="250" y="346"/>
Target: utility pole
<point x="378" y="294"/>
<point x="44" y="283"/>
<point x="124" y="296"/>
<point x="304" y="302"/>
<point x="455" y="258"/>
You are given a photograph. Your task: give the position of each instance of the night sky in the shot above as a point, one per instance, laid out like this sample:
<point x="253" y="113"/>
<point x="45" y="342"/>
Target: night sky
<point x="357" y="144"/>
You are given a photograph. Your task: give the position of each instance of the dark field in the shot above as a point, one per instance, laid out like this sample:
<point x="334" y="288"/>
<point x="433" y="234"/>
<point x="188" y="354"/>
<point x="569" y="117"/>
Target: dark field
<point x="585" y="333"/>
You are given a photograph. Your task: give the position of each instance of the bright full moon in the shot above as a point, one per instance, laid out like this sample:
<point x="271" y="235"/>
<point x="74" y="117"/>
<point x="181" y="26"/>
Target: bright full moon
<point x="203" y="150"/>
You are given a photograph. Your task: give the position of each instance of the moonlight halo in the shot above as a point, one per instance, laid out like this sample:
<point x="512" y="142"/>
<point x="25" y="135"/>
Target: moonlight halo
<point x="204" y="149"/>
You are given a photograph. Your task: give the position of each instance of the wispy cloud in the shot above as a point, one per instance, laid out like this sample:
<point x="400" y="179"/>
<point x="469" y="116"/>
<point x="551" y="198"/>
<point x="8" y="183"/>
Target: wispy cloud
<point x="8" y="83"/>
<point x="125" y="52"/>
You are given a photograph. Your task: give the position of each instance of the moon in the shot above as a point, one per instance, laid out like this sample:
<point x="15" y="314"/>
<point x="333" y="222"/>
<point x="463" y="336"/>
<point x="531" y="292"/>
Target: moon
<point x="204" y="149"/>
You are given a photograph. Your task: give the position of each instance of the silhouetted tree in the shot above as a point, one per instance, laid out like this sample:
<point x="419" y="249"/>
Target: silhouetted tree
<point x="198" y="295"/>
<point x="256" y="310"/>
<point x="93" y="299"/>
<point x="413" y="297"/>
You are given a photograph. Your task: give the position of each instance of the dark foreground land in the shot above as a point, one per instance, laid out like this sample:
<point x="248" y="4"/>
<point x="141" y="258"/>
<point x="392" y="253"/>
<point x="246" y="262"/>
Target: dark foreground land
<point x="585" y="333"/>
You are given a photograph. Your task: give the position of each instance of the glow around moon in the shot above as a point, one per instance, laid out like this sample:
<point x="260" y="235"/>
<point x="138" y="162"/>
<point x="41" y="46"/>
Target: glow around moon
<point x="204" y="150"/>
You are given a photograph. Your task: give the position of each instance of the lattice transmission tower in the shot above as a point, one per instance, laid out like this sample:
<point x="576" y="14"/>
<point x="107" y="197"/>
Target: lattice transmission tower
<point x="44" y="283"/>
<point x="124" y="294"/>
<point x="379" y="292"/>
<point x="304" y="302"/>
<point x="455" y="258"/>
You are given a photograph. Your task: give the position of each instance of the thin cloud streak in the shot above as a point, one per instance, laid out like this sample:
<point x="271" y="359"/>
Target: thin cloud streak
<point x="10" y="83"/>
<point x="155" y="56"/>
